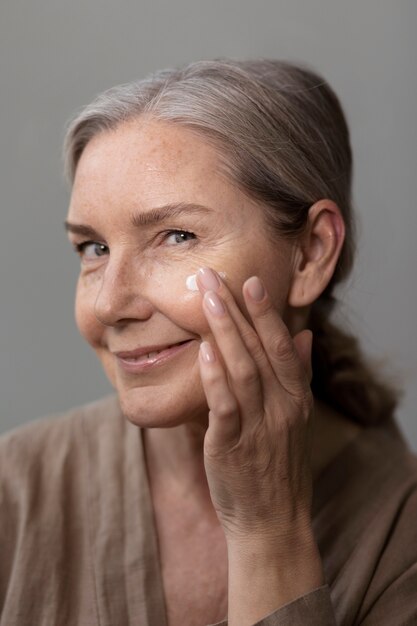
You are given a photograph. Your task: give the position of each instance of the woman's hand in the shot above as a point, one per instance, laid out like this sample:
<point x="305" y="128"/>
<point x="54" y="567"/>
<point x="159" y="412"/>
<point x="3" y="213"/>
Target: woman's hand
<point x="257" y="446"/>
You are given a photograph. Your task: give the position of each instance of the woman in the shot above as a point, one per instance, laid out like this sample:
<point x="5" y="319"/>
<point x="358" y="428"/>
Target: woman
<point x="211" y="211"/>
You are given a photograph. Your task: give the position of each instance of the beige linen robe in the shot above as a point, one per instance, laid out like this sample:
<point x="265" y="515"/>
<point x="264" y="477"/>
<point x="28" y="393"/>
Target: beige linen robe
<point x="78" y="544"/>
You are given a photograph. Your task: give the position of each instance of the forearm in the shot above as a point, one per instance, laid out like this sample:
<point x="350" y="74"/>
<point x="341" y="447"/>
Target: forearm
<point x="264" y="576"/>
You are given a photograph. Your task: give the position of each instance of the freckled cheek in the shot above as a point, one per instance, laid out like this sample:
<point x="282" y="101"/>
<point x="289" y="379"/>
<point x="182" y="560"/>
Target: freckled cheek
<point x="180" y="305"/>
<point x="191" y="317"/>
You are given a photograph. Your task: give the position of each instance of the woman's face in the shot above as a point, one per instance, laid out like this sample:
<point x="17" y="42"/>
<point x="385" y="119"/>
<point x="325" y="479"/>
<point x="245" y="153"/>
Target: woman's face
<point x="149" y="207"/>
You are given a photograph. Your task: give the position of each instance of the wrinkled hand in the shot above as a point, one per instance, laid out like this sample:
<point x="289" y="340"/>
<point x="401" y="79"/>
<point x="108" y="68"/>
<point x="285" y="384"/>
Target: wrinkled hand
<point x="257" y="446"/>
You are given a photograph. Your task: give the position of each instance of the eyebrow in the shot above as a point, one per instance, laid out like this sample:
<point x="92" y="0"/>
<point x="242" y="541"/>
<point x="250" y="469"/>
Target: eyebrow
<point x="148" y="218"/>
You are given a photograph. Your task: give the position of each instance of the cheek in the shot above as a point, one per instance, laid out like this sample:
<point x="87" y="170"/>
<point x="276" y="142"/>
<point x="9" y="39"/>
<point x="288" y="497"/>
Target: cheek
<point x="176" y="296"/>
<point x="182" y="306"/>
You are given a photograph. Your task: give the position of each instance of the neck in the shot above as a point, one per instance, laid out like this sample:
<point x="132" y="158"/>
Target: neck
<point x="175" y="460"/>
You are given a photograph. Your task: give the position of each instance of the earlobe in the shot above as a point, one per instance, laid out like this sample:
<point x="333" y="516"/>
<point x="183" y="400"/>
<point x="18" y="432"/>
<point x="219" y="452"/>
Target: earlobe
<point x="318" y="252"/>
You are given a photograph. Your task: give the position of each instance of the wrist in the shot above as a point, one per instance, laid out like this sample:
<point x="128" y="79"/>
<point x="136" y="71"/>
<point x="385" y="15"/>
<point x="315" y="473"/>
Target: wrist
<point x="269" y="544"/>
<point x="265" y="575"/>
<point x="296" y="561"/>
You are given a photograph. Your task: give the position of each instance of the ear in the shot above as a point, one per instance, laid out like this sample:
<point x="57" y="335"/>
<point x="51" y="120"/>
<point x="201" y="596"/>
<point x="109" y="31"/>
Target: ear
<point x="317" y="253"/>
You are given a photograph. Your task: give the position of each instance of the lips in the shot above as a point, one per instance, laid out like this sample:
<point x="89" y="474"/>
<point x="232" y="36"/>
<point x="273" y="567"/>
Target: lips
<point x="148" y="356"/>
<point x="146" y="350"/>
<point x="143" y="357"/>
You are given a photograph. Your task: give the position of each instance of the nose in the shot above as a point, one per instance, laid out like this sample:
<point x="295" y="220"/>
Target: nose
<point x="121" y="297"/>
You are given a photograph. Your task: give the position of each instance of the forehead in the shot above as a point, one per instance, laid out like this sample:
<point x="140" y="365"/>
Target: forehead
<point x="145" y="164"/>
<point x="146" y="154"/>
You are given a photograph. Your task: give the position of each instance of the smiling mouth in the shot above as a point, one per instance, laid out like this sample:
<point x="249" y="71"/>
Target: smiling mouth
<point x="146" y="361"/>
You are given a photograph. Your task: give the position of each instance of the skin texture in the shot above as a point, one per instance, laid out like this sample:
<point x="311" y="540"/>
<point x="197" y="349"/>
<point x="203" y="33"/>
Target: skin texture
<point x="140" y="296"/>
<point x="214" y="414"/>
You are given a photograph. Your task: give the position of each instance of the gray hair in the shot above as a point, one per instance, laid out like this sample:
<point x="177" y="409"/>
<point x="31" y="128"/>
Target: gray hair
<point x="283" y="139"/>
<point x="279" y="127"/>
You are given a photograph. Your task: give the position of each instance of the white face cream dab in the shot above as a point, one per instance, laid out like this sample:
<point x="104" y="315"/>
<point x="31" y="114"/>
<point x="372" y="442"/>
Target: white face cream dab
<point x="191" y="281"/>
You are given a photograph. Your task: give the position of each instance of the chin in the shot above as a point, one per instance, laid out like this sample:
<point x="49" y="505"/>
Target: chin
<point x="156" y="407"/>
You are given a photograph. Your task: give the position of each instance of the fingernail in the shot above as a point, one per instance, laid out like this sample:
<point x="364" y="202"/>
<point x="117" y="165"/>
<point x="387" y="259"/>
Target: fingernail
<point x="255" y="288"/>
<point x="207" y="352"/>
<point x="214" y="303"/>
<point x="209" y="279"/>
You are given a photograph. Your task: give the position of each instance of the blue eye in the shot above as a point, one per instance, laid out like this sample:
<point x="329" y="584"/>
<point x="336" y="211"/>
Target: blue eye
<point x="91" y="249"/>
<point x="174" y="237"/>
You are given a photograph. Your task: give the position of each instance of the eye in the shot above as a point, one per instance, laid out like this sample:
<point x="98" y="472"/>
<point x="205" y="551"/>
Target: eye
<point x="90" y="250"/>
<point x="175" y="237"/>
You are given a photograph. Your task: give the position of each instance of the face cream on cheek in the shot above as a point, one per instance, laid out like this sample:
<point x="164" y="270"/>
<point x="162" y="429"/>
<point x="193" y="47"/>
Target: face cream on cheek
<point x="191" y="281"/>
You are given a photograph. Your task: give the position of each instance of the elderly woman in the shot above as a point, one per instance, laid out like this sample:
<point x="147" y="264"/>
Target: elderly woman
<point x="249" y="467"/>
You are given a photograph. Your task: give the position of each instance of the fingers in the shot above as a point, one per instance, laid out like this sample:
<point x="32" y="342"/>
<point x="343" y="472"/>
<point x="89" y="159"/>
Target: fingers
<point x="269" y="343"/>
<point x="248" y="364"/>
<point x="289" y="358"/>
<point x="224" y="418"/>
<point x="208" y="280"/>
<point x="241" y="372"/>
<point x="229" y="374"/>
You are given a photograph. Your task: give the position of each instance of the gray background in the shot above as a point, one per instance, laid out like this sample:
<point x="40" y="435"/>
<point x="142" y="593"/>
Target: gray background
<point x="55" y="56"/>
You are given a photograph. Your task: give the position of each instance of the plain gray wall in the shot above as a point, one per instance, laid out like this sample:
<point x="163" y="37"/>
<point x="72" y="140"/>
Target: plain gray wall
<point x="55" y="56"/>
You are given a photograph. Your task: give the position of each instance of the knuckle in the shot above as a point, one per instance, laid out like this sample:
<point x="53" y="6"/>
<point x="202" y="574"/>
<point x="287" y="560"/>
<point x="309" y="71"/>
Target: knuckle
<point x="225" y="324"/>
<point x="253" y="344"/>
<point x="282" y="348"/>
<point x="245" y="373"/>
<point x="224" y="409"/>
<point x="213" y="376"/>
